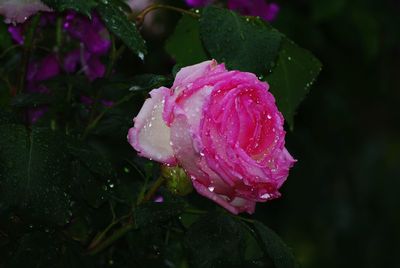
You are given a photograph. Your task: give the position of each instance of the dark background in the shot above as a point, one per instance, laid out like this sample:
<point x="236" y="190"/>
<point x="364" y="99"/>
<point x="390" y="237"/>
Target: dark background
<point x="340" y="205"/>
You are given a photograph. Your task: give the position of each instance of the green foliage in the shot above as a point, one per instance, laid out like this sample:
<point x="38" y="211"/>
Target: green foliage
<point x="185" y="44"/>
<point x="91" y="158"/>
<point x="5" y="38"/>
<point x="215" y="240"/>
<point x="118" y="23"/>
<point x="33" y="174"/>
<point x="273" y="245"/>
<point x="80" y="6"/>
<point x="157" y="213"/>
<point x="245" y="44"/>
<point x="30" y="99"/>
<point x="292" y="77"/>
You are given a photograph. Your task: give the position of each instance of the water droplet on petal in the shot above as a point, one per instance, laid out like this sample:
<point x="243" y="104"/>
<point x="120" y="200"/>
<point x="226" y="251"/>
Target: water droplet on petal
<point x="266" y="196"/>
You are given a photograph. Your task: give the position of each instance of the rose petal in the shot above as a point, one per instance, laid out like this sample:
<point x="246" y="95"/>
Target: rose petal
<point x="18" y="11"/>
<point x="188" y="75"/>
<point x="150" y="136"/>
<point x="236" y="206"/>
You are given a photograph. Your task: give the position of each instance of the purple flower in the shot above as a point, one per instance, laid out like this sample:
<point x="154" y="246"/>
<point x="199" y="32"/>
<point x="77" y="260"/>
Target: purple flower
<point x="88" y="101"/>
<point x="158" y="199"/>
<point x="255" y="8"/>
<point x="95" y="42"/>
<point x="198" y="3"/>
<point x="45" y="69"/>
<point x="89" y="62"/>
<point x="91" y="33"/>
<point x="40" y="71"/>
<point x="16" y="33"/>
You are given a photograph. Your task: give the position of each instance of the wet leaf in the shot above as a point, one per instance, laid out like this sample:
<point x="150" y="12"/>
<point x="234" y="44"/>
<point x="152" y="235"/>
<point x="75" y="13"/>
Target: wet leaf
<point x="80" y="6"/>
<point x="215" y="240"/>
<point x="275" y="248"/>
<point x="118" y="23"/>
<point x="292" y="77"/>
<point x="91" y="158"/>
<point x="246" y="44"/>
<point x="184" y="45"/>
<point x="155" y="213"/>
<point x="34" y="173"/>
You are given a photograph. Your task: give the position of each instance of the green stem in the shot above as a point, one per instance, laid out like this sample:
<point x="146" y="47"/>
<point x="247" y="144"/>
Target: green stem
<point x="143" y="13"/>
<point x="154" y="188"/>
<point x="114" y="56"/>
<point x="110" y="240"/>
<point x="195" y="211"/>
<point x="59" y="33"/>
<point x="9" y="49"/>
<point x="28" y="46"/>
<point x="244" y="219"/>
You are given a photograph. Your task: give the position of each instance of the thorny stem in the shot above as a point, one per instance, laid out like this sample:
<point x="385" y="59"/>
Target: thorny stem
<point x="141" y="16"/>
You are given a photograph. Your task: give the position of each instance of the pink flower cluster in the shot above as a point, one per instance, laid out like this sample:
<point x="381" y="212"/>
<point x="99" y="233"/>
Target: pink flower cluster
<point x="224" y="128"/>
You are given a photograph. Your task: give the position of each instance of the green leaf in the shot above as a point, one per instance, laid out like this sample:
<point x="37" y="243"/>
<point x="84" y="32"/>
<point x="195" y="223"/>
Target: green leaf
<point x="243" y="43"/>
<point x="80" y="6"/>
<point x="290" y="80"/>
<point x="84" y="186"/>
<point x="274" y="247"/>
<point x="34" y="172"/>
<point x="91" y="158"/>
<point x="30" y="99"/>
<point x="116" y="89"/>
<point x="118" y="23"/>
<point x="151" y="213"/>
<point x="216" y="240"/>
<point x="5" y="38"/>
<point x="7" y="117"/>
<point x="39" y="249"/>
<point x="185" y="44"/>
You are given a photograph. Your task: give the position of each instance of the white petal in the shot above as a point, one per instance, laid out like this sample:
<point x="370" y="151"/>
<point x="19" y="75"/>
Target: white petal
<point x="151" y="136"/>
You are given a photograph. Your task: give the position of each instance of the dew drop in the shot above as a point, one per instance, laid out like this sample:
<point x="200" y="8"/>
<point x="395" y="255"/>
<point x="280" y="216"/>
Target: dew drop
<point x="134" y="88"/>
<point x="266" y="196"/>
<point x="141" y="55"/>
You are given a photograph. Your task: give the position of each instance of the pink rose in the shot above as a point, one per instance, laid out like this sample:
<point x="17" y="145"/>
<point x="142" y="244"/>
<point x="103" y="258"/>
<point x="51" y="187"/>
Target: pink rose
<point x="18" y="11"/>
<point x="223" y="128"/>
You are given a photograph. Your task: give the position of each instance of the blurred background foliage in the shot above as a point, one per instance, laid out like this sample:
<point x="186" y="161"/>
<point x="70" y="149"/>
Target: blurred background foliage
<point x="340" y="204"/>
